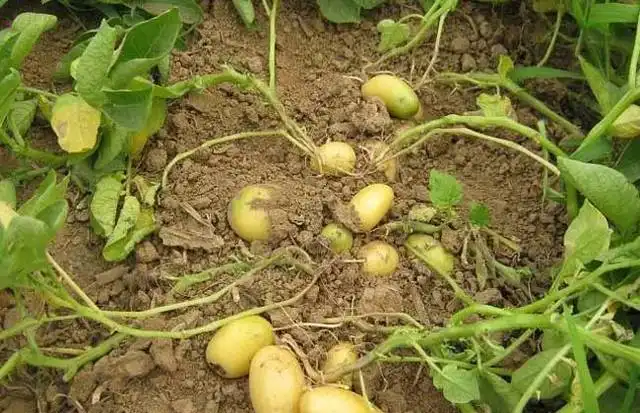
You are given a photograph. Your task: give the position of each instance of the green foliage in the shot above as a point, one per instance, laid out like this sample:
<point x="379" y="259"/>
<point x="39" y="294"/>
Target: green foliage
<point x="553" y="385"/>
<point x="345" y="11"/>
<point x="479" y="215"/>
<point x="445" y="191"/>
<point x="588" y="236"/>
<point x="497" y="392"/>
<point x="457" y="385"/>
<point x="392" y="34"/>
<point x="246" y="11"/>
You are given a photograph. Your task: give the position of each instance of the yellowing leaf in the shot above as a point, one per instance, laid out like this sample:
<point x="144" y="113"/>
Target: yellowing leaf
<point x="75" y="123"/>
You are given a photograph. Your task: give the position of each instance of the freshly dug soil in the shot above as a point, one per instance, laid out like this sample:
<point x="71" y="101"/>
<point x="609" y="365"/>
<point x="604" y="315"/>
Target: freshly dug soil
<point x="317" y="63"/>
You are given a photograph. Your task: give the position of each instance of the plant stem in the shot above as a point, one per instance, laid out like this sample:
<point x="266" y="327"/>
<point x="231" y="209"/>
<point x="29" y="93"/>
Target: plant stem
<point x="67" y="278"/>
<point x="604" y="383"/>
<point x="554" y="38"/>
<point x="436" y="50"/>
<point x="633" y="65"/>
<point x="409" y="227"/>
<point x="605" y="123"/>
<point x="35" y="91"/>
<point x="482" y="309"/>
<point x="10" y="365"/>
<point x="212" y="142"/>
<point x="485" y="80"/>
<point x="272" y="45"/>
<point x="30" y="323"/>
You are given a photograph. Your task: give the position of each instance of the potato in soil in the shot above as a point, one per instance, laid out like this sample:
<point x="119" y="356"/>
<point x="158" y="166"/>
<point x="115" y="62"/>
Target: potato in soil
<point x="367" y="208"/>
<point x="380" y="258"/>
<point x="396" y="94"/>
<point x="328" y="399"/>
<point x="276" y="381"/>
<point x="337" y="158"/>
<point x="338" y="356"/>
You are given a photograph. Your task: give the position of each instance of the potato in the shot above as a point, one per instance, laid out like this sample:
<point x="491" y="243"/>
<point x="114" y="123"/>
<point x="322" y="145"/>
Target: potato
<point x="248" y="215"/>
<point x="380" y="258"/>
<point x="390" y="167"/>
<point x="337" y="158"/>
<point x="328" y="399"/>
<point x="431" y="252"/>
<point x="401" y="101"/>
<point x="234" y="345"/>
<point x="340" y="355"/>
<point x="339" y="238"/>
<point x="371" y="204"/>
<point x="276" y="381"/>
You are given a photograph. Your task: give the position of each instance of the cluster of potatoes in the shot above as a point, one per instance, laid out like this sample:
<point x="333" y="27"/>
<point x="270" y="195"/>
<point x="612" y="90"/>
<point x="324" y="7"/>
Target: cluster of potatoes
<point x="276" y="380"/>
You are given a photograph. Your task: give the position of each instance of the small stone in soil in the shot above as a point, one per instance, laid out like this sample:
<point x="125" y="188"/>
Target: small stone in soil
<point x="468" y="63"/>
<point x="460" y="44"/>
<point x="183" y="406"/>
<point x="162" y="352"/>
<point x="156" y="160"/>
<point x="146" y="252"/>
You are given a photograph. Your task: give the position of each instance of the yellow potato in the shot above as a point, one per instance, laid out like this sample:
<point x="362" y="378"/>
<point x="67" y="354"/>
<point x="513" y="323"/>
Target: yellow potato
<point x="338" y="356"/>
<point x="380" y="258"/>
<point x="234" y="345"/>
<point x="339" y="238"/>
<point x="431" y="252"/>
<point x="371" y="204"/>
<point x="248" y="215"/>
<point x="337" y="158"/>
<point x="399" y="98"/>
<point x="328" y="399"/>
<point x="276" y="381"/>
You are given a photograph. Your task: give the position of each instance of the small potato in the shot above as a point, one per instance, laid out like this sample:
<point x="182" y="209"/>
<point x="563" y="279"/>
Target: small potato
<point x="234" y="345"/>
<point x="380" y="258"/>
<point x="337" y="158"/>
<point x="340" y="239"/>
<point x="340" y="355"/>
<point x="390" y="167"/>
<point x="328" y="399"/>
<point x="371" y="204"/>
<point x="431" y="252"/>
<point x="399" y="98"/>
<point x="248" y="215"/>
<point x="276" y="381"/>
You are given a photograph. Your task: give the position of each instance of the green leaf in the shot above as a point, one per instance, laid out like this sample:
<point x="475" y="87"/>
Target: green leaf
<point x="190" y="12"/>
<point x="146" y="190"/>
<point x="26" y="239"/>
<point x="22" y="115"/>
<point x="8" y="89"/>
<point x="590" y="300"/>
<point x="495" y="105"/>
<point x="505" y="66"/>
<point x="8" y="193"/>
<point x="340" y="11"/>
<point x="479" y="215"/>
<point x="368" y="4"/>
<point x="144" y="46"/>
<point x="606" y="93"/>
<point x="588" y="236"/>
<point x="246" y="11"/>
<point x="6" y="48"/>
<point x="63" y="68"/>
<point x="48" y="193"/>
<point x="445" y="191"/>
<point x="93" y="65"/>
<point x="589" y="397"/>
<point x="496" y="392"/>
<point x="392" y="34"/>
<point x="75" y="123"/>
<point x="553" y="339"/>
<point x="457" y="385"/>
<point x="613" y="13"/>
<point x="104" y="204"/>
<point x="553" y="385"/>
<point x="139" y="224"/>
<point x="607" y="189"/>
<point x="114" y="142"/>
<point x="55" y="215"/>
<point x="130" y="109"/>
<point x="30" y="26"/>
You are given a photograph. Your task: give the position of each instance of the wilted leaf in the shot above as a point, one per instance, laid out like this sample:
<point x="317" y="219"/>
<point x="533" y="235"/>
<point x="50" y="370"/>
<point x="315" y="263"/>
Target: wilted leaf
<point x="392" y="34"/>
<point x="121" y="244"/>
<point x="75" y="123"/>
<point x="22" y="115"/>
<point x="104" y="204"/>
<point x="190" y="239"/>
<point x="146" y="190"/>
<point x="496" y="105"/>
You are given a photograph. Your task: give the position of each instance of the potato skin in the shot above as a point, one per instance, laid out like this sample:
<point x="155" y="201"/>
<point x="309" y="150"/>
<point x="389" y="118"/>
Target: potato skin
<point x="234" y="345"/>
<point x="276" y="381"/>
<point x="371" y="204"/>
<point x="430" y="249"/>
<point x="399" y="98"/>
<point x="328" y="399"/>
<point x="340" y="355"/>
<point x="249" y="220"/>
<point x="380" y="258"/>
<point x="337" y="158"/>
<point x="340" y="238"/>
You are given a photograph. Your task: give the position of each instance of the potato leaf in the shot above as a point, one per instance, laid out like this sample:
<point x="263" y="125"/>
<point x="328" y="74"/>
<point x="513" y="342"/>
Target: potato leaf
<point x="30" y="26"/>
<point x="588" y="236"/>
<point x="104" y="204"/>
<point x="554" y="384"/>
<point x="129" y="109"/>
<point x="25" y="242"/>
<point x="93" y="65"/>
<point x="190" y="12"/>
<point x="22" y="115"/>
<point x="118" y="248"/>
<point x="144" y="46"/>
<point x="48" y="193"/>
<point x="457" y="385"/>
<point x="368" y="4"/>
<point x="605" y="92"/>
<point x="392" y="34"/>
<point x="8" y="89"/>
<point x="75" y="123"/>
<point x="114" y="140"/>
<point x="479" y="215"/>
<point x="8" y="193"/>
<point x="495" y="105"/>
<point x="246" y="11"/>
<point x="445" y="191"/>
<point x="146" y="190"/>
<point x="63" y="68"/>
<point x="607" y="189"/>
<point x="496" y="392"/>
<point x="505" y="66"/>
<point x="6" y="48"/>
<point x="340" y="11"/>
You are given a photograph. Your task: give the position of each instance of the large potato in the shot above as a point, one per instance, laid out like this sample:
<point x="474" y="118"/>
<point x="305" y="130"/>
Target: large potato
<point x="371" y="204"/>
<point x="276" y="381"/>
<point x="401" y="101"/>
<point x="337" y="158"/>
<point x="248" y="214"/>
<point x="234" y="345"/>
<point x="328" y="399"/>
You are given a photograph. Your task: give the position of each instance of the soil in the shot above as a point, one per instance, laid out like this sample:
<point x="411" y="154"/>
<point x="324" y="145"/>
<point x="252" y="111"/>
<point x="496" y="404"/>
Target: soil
<point x="317" y="63"/>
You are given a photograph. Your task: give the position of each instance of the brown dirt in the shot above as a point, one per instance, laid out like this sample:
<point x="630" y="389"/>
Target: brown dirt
<point x="313" y="59"/>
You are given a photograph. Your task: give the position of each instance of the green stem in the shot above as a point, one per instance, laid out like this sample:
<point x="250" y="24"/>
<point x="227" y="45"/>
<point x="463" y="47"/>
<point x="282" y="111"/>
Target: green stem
<point x="482" y="309"/>
<point x="554" y="38"/>
<point x="409" y="227"/>
<point x="30" y="323"/>
<point x="602" y="127"/>
<point x="35" y="91"/>
<point x="633" y="65"/>
<point x="272" y="45"/>
<point x="10" y="365"/>
<point x="510" y="348"/>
